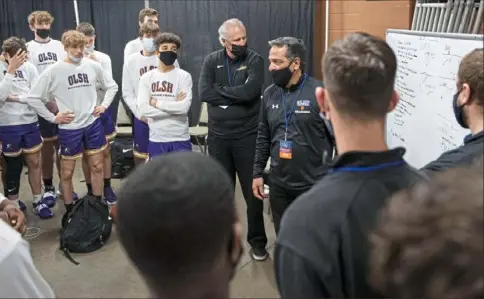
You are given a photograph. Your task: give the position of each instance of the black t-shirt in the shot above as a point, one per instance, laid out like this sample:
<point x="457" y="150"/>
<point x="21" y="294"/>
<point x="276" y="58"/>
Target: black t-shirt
<point x="322" y="248"/>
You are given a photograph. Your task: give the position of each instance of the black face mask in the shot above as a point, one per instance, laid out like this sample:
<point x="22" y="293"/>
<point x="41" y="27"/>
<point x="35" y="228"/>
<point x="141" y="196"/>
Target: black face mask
<point x="459" y="111"/>
<point x="282" y="76"/>
<point x="43" y="33"/>
<point x="168" y="57"/>
<point x="239" y="51"/>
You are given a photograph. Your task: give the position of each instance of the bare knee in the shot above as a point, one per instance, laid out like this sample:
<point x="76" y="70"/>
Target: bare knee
<point x="67" y="169"/>
<point x="33" y="161"/>
<point x="96" y="163"/>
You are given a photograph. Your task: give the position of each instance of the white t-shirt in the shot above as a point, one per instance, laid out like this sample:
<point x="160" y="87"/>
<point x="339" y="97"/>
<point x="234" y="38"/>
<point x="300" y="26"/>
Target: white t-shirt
<point x="74" y="87"/>
<point x="134" y="67"/>
<point x="17" y="113"/>
<point x="43" y="55"/>
<point x="168" y="121"/>
<point x="19" y="278"/>
<point x="133" y="46"/>
<point x="106" y="65"/>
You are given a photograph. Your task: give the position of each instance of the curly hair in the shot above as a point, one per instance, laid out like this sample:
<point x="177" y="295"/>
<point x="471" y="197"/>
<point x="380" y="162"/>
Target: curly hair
<point x="73" y="38"/>
<point x="12" y="44"/>
<point x="429" y="243"/>
<point x="40" y="17"/>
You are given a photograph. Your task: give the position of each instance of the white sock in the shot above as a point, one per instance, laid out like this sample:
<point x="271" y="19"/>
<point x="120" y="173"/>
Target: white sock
<point x="37" y="197"/>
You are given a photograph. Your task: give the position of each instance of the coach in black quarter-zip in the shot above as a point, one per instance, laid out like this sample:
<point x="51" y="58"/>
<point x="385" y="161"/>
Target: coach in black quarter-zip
<point x="291" y="130"/>
<point x="231" y="83"/>
<point x="322" y="250"/>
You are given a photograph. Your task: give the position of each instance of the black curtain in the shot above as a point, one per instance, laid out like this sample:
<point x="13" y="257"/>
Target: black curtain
<point x="14" y="13"/>
<point x="197" y="23"/>
<point x="116" y="23"/>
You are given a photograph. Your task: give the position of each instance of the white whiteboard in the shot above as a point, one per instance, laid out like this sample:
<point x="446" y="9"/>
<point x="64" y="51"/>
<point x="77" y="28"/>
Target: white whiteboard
<point x="423" y="121"/>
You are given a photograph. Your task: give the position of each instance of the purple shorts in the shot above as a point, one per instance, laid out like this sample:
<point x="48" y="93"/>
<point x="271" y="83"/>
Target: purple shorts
<point x="161" y="148"/>
<point x="20" y="139"/>
<point x="48" y="130"/>
<point x="91" y="139"/>
<point x="108" y="124"/>
<point x="141" y="135"/>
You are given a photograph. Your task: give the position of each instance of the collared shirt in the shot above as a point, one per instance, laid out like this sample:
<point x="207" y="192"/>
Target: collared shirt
<point x="322" y="248"/>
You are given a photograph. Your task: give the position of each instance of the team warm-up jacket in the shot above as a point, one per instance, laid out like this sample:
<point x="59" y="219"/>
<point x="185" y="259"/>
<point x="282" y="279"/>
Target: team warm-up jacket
<point x="323" y="247"/>
<point x="232" y="90"/>
<point x="473" y="148"/>
<point x="312" y="145"/>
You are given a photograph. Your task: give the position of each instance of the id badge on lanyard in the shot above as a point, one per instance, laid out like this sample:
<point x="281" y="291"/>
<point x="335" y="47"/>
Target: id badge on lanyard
<point x="285" y="146"/>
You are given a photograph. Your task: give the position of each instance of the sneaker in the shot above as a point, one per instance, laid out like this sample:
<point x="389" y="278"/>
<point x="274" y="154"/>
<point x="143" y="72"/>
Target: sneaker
<point x="74" y="194"/>
<point x="22" y="206"/>
<point x="259" y="254"/>
<point x="49" y="197"/>
<point x="42" y="210"/>
<point x="109" y="195"/>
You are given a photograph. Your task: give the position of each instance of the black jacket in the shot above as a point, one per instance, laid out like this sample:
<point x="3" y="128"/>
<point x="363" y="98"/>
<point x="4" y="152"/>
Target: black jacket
<point x="241" y="93"/>
<point x="473" y="148"/>
<point x="322" y="248"/>
<point x="312" y="145"/>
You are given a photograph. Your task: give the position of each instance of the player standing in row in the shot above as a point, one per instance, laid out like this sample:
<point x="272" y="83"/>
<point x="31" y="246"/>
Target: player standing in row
<point x="146" y="15"/>
<point x="43" y="52"/>
<point x="74" y="82"/>
<point x="19" y="127"/>
<point x="134" y="67"/>
<point x="106" y="118"/>
<point x="164" y="98"/>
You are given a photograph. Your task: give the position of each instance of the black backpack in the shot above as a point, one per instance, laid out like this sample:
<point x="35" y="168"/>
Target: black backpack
<point x="86" y="228"/>
<point x="122" y="157"/>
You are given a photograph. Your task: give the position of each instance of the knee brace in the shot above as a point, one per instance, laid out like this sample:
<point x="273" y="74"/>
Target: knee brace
<point x="13" y="174"/>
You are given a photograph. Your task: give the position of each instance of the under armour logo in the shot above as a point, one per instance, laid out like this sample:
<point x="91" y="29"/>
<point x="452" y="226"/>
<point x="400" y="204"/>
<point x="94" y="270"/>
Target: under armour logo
<point x="66" y="150"/>
<point x="9" y="146"/>
<point x="275" y="106"/>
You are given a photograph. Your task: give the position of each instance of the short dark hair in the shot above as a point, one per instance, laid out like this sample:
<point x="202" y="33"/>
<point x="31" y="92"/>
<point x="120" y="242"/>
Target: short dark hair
<point x="295" y="48"/>
<point x="167" y="38"/>
<point x="175" y="217"/>
<point x="359" y="74"/>
<point x="149" y="28"/>
<point x="12" y="44"/>
<point x="471" y="71"/>
<point x="429" y="243"/>
<point x="86" y="29"/>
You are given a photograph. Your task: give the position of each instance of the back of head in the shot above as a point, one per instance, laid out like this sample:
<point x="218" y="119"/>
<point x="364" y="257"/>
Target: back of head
<point x="12" y="44"/>
<point x="86" y="29"/>
<point x="471" y="71"/>
<point x="175" y="219"/>
<point x="359" y="75"/>
<point x="430" y="243"/>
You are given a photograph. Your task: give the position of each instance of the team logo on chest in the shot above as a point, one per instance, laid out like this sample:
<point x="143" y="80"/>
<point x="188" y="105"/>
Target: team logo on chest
<point x="163" y="86"/>
<point x="146" y="69"/>
<point x="47" y="58"/>
<point x="78" y="80"/>
<point x="303" y="106"/>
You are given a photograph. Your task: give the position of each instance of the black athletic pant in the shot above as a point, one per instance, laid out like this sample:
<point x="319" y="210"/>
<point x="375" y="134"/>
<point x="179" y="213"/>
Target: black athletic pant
<point x="280" y="199"/>
<point x="237" y="156"/>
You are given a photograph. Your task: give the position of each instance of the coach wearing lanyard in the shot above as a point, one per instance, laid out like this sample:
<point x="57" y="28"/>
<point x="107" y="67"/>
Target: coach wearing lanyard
<point x="291" y="131"/>
<point x="231" y="83"/>
<point x="323" y="244"/>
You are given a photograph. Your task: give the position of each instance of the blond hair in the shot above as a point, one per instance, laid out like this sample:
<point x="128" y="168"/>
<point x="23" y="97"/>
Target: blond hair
<point x="40" y="17"/>
<point x="73" y="39"/>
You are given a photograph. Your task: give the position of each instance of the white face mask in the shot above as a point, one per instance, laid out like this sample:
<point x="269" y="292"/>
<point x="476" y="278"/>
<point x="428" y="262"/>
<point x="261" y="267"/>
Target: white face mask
<point x="75" y="59"/>
<point x="148" y="45"/>
<point x="89" y="50"/>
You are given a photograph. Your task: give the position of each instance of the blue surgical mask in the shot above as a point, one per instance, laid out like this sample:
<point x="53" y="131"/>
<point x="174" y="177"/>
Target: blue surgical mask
<point x="89" y="50"/>
<point x="75" y="59"/>
<point x="148" y="45"/>
<point x="459" y="111"/>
